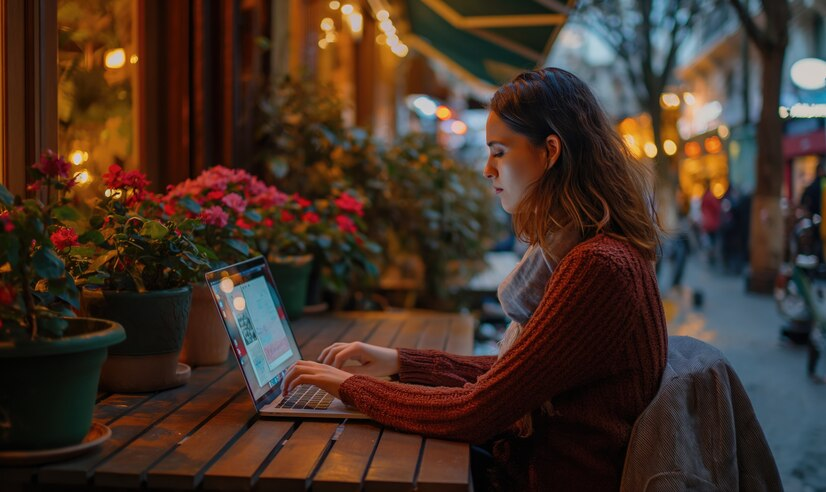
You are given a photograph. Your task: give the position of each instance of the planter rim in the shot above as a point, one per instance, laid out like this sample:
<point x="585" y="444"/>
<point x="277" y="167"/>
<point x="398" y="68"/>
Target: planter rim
<point x="103" y="338"/>
<point x="149" y="293"/>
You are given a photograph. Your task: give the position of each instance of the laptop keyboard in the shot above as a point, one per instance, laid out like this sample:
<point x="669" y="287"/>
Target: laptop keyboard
<point x="307" y="396"/>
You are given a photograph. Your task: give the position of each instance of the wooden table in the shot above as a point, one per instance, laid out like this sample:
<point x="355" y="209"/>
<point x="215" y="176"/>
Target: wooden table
<point x="207" y="435"/>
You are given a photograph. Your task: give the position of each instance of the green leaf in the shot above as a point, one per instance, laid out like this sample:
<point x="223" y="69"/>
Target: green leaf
<point x="52" y="327"/>
<point x="190" y="204"/>
<point x="239" y="246"/>
<point x="6" y="198"/>
<point x="47" y="264"/>
<point x="65" y="213"/>
<point x="154" y="229"/>
<point x="252" y="215"/>
<point x="102" y="260"/>
<point x="92" y="236"/>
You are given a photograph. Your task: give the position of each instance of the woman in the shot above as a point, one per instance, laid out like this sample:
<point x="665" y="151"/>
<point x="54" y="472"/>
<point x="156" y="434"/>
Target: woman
<point x="570" y="381"/>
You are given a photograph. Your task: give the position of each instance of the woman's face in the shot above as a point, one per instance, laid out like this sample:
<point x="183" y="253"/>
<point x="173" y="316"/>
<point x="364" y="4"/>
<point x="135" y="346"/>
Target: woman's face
<point x="513" y="164"/>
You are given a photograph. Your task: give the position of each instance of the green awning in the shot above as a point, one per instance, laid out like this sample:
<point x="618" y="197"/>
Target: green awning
<point x="486" y="42"/>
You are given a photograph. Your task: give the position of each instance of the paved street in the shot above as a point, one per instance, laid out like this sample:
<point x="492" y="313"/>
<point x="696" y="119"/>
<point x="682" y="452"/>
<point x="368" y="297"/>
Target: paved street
<point x="791" y="409"/>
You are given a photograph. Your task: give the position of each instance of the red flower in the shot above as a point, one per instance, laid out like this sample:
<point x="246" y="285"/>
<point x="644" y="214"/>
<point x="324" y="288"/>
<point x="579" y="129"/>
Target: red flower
<point x="346" y="224"/>
<point x="302" y="202"/>
<point x="53" y="165"/>
<point x="114" y="178"/>
<point x="35" y="186"/>
<point x="310" y="218"/>
<point x="135" y="179"/>
<point x="64" y="237"/>
<point x="243" y="224"/>
<point x="7" y="294"/>
<point x="286" y="216"/>
<point x="214" y="195"/>
<point x="268" y="222"/>
<point x="349" y="204"/>
<point x="169" y="208"/>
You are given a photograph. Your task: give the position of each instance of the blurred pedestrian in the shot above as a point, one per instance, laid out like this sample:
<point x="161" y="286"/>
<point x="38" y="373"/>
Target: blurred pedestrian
<point x="711" y="210"/>
<point x="731" y="231"/>
<point x="681" y="243"/>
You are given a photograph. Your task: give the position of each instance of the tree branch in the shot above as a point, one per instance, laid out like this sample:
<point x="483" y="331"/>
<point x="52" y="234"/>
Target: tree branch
<point x="757" y="36"/>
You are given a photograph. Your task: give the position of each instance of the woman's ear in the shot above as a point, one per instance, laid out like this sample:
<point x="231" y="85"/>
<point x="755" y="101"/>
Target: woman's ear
<point x="553" y="146"/>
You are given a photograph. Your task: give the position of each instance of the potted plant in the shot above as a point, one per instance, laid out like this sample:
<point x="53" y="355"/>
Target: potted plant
<point x="285" y="238"/>
<point x="51" y="360"/>
<point x="137" y="270"/>
<point x="225" y="202"/>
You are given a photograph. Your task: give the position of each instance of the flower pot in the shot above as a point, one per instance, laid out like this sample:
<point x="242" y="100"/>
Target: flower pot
<point x="49" y="386"/>
<point x="292" y="274"/>
<point x="206" y="342"/>
<point x="155" y="323"/>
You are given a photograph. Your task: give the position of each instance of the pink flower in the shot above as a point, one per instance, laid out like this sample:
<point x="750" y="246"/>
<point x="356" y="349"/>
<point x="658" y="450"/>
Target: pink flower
<point x="5" y="220"/>
<point x="286" y="216"/>
<point x="214" y="216"/>
<point x="53" y="165"/>
<point x="235" y="202"/>
<point x="7" y="294"/>
<point x="64" y="237"/>
<point x="349" y="204"/>
<point x="310" y="218"/>
<point x="346" y="224"/>
<point x="35" y="186"/>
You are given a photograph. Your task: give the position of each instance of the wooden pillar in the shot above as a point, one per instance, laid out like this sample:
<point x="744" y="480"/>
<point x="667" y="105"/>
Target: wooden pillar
<point x="29" y="86"/>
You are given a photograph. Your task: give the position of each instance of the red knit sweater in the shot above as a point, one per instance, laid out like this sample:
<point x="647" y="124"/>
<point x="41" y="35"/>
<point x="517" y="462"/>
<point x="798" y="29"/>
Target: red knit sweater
<point x="596" y="347"/>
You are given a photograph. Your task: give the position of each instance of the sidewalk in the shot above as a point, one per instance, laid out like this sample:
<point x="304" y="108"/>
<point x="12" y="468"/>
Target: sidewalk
<point x="791" y="409"/>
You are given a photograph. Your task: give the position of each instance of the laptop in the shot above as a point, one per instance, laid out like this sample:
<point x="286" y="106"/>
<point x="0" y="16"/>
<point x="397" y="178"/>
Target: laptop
<point x="263" y="342"/>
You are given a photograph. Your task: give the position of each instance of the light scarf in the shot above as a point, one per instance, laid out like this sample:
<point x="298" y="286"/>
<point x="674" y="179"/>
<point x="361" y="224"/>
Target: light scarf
<point x="520" y="294"/>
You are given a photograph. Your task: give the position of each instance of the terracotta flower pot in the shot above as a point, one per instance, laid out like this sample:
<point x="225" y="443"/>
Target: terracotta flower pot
<point x="155" y="323"/>
<point x="49" y="386"/>
<point x="206" y="342"/>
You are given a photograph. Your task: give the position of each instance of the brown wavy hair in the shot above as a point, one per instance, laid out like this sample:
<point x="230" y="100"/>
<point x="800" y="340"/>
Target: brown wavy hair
<point x="596" y="184"/>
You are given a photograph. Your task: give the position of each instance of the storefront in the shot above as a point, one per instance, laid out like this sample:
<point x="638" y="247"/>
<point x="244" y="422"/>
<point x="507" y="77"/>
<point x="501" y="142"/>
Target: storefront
<point x="802" y="152"/>
<point x="705" y="164"/>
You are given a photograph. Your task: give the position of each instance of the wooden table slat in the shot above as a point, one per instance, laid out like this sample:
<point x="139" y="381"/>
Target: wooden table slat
<point x="328" y="336"/>
<point x="394" y="464"/>
<point x="184" y="467"/>
<point x="345" y="465"/>
<point x="434" y="335"/>
<point x="295" y="462"/>
<point x="460" y="338"/>
<point x="444" y="467"/>
<point x="305" y="329"/>
<point x="126" y="469"/>
<point x="126" y="428"/>
<point x="385" y="333"/>
<point x="359" y="332"/>
<point x="115" y="406"/>
<point x="236" y="468"/>
<point x="409" y="334"/>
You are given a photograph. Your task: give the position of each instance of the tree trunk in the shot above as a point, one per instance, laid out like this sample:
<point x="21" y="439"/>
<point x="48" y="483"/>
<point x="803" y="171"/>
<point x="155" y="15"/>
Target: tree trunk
<point x="766" y="237"/>
<point x="665" y="177"/>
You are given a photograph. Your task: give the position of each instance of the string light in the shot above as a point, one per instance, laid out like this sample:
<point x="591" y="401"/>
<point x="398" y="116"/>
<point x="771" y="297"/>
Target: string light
<point x="347" y="9"/>
<point x="115" y="58"/>
<point x="382" y="15"/>
<point x="334" y="5"/>
<point x="76" y="157"/>
<point x="669" y="147"/>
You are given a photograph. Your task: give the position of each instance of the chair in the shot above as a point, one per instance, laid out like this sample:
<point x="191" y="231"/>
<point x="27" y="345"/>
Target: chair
<point x="700" y="432"/>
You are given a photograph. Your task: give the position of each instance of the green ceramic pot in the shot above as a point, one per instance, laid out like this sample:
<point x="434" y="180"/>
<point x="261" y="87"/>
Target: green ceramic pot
<point x="48" y="388"/>
<point x="292" y="275"/>
<point x="155" y="324"/>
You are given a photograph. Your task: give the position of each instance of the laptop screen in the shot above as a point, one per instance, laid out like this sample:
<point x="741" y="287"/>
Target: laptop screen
<point x="258" y="328"/>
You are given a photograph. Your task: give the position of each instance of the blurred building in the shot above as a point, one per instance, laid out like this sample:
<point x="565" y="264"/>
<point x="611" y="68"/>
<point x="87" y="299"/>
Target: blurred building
<point x="720" y="84"/>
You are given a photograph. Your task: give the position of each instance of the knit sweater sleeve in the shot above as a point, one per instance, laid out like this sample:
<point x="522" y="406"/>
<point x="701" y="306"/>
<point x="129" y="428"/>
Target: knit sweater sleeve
<point x="437" y="368"/>
<point x="571" y="341"/>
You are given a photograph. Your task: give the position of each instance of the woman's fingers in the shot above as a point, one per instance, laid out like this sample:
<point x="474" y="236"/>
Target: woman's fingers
<point x="326" y="352"/>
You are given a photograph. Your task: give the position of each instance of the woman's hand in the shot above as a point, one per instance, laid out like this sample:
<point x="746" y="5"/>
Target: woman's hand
<point x="375" y="361"/>
<point x="323" y="376"/>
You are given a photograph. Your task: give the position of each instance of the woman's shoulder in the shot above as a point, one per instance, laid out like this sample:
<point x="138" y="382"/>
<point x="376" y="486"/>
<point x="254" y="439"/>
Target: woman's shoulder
<point x="604" y="250"/>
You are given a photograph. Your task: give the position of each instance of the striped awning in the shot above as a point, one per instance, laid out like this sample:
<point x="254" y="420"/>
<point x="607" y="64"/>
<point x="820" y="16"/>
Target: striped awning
<point x="486" y="42"/>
